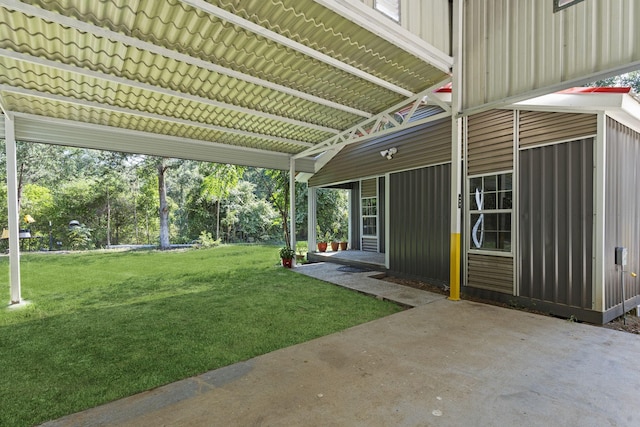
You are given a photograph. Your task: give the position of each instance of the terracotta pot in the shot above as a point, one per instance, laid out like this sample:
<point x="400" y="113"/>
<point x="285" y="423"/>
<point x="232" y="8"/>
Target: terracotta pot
<point x="288" y="263"/>
<point x="322" y="246"/>
<point x="343" y="246"/>
<point x="334" y="246"/>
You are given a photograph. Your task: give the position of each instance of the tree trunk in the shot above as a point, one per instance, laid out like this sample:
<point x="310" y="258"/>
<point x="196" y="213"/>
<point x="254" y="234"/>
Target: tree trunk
<point x="164" y="207"/>
<point x="108" y="218"/>
<point x="218" y="220"/>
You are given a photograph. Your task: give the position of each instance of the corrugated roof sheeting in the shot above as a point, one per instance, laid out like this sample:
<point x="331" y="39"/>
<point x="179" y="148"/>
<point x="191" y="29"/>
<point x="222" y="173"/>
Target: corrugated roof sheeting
<point x="183" y="69"/>
<point x="515" y="50"/>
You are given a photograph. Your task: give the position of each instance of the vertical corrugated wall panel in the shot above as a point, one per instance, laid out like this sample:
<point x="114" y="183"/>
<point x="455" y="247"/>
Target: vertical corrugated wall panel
<point x="622" y="209"/>
<point x="537" y="127"/>
<point x="556" y="223"/>
<point x="493" y="273"/>
<point x="381" y="214"/>
<point x="356" y="225"/>
<point x="369" y="187"/>
<point x="419" y="221"/>
<point x="420" y="146"/>
<point x="430" y="20"/>
<point x="490" y="142"/>
<point x="515" y="47"/>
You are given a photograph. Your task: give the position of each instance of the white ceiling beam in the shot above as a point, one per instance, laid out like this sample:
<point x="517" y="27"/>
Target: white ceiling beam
<point x="168" y="53"/>
<point x="144" y="86"/>
<point x="305" y="50"/>
<point x="367" y="18"/>
<point x="128" y="111"/>
<point x="4" y="109"/>
<point x="48" y="130"/>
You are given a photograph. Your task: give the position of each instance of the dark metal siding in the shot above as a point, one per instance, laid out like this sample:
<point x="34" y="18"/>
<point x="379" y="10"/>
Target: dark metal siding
<point x="381" y="214"/>
<point x="419" y="222"/>
<point x="493" y="273"/>
<point x="490" y="142"/>
<point x="556" y="223"/>
<point x="538" y="127"/>
<point x="622" y="216"/>
<point x="422" y="145"/>
<point x="354" y="239"/>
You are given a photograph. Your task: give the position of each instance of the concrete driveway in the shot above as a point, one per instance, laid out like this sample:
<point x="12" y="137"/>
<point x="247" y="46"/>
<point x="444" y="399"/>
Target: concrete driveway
<point x="440" y="364"/>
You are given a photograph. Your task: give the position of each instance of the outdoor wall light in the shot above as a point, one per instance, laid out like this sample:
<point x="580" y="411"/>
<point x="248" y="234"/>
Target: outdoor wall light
<point x="389" y="153"/>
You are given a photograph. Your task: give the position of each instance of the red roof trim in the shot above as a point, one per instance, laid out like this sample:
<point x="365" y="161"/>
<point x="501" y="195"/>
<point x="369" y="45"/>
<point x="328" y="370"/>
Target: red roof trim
<point x="596" y="90"/>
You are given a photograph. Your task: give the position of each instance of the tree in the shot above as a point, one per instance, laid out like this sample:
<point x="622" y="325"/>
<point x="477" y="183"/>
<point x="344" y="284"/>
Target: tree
<point x="163" y="209"/>
<point x="216" y="185"/>
<point x="631" y="80"/>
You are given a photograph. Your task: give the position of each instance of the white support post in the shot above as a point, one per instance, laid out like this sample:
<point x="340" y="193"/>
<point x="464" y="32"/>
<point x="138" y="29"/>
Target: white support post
<point x="312" y="217"/>
<point x="456" y="154"/>
<point x="12" y="202"/>
<point x="292" y="204"/>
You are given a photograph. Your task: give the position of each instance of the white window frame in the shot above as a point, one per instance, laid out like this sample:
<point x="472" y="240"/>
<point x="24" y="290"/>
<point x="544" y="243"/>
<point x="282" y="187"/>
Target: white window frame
<point x="389" y="8"/>
<point x="369" y="215"/>
<point x="472" y="227"/>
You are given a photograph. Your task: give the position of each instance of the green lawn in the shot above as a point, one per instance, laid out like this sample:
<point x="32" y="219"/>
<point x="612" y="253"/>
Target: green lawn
<point x="102" y="326"/>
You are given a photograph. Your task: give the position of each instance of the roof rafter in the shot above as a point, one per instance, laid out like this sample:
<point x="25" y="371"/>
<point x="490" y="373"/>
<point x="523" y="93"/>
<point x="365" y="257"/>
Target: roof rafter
<point x="91" y="104"/>
<point x="57" y="18"/>
<point x="271" y="35"/>
<point x="157" y="89"/>
<point x="372" y="128"/>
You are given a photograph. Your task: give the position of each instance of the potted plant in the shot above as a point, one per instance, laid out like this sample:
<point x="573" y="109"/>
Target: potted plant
<point x="343" y="243"/>
<point x="287" y="254"/>
<point x="300" y="255"/>
<point x="323" y="240"/>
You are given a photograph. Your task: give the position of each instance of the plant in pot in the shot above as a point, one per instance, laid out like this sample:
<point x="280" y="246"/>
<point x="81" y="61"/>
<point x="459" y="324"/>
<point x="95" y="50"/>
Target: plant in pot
<point x="343" y="242"/>
<point x="334" y="240"/>
<point x="301" y="249"/>
<point x="323" y="240"/>
<point x="287" y="254"/>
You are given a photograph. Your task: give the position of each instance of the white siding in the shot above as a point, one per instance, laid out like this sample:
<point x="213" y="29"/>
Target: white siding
<point x="428" y="19"/>
<point x="516" y="49"/>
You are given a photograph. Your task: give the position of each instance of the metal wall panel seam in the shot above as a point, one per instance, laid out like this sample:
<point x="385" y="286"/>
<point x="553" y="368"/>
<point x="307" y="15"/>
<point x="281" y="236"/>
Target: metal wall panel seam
<point x="515" y="206"/>
<point x="598" y="285"/>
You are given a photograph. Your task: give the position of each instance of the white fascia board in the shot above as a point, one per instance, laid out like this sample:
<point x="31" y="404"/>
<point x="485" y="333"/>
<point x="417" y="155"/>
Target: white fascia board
<point x="40" y="129"/>
<point x="628" y="114"/>
<point x="367" y="18"/>
<point x="586" y="102"/>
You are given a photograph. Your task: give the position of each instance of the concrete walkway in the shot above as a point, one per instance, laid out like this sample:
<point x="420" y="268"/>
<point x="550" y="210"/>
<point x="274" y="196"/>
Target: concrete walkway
<point x="442" y="363"/>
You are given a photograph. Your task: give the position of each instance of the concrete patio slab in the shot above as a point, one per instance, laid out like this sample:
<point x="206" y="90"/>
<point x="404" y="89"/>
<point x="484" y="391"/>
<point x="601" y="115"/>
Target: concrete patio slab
<point x="440" y="364"/>
<point x="365" y="283"/>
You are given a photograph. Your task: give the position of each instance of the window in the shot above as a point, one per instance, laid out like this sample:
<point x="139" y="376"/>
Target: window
<point x="558" y="5"/>
<point x="490" y="201"/>
<point x="391" y="8"/>
<point x="369" y="216"/>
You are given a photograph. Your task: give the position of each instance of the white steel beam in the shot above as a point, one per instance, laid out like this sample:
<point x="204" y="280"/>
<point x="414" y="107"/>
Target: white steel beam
<point x="153" y="116"/>
<point x="156" y="89"/>
<point x="12" y="202"/>
<point x="49" y="130"/>
<point x="168" y="53"/>
<point x="305" y="50"/>
<point x="367" y="18"/>
<point x="292" y="205"/>
<point x="371" y="128"/>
